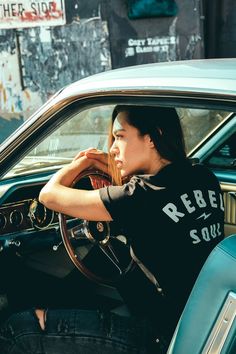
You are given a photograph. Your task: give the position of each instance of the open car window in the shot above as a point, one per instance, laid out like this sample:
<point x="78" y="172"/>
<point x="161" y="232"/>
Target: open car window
<point x="199" y="124"/>
<point x="90" y="127"/>
<point x="225" y="155"/>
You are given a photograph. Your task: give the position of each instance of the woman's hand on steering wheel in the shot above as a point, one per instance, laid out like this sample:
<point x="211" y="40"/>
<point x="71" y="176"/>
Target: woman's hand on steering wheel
<point x="93" y="154"/>
<point x="93" y="159"/>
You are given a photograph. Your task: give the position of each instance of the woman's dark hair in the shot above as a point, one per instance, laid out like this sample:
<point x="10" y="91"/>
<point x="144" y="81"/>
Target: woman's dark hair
<point x="163" y="126"/>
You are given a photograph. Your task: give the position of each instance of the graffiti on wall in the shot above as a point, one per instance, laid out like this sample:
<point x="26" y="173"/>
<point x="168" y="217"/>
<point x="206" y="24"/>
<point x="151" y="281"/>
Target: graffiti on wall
<point x="12" y="99"/>
<point x="163" y="46"/>
<point x="15" y="104"/>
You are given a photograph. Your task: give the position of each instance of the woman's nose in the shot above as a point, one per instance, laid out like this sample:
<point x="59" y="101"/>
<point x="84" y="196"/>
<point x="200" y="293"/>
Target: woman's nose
<point x="113" y="148"/>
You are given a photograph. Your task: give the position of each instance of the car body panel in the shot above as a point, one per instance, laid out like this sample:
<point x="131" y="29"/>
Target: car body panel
<point x="200" y="85"/>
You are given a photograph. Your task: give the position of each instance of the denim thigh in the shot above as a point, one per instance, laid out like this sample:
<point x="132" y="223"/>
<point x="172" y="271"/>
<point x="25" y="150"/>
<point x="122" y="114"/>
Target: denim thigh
<point x="75" y="332"/>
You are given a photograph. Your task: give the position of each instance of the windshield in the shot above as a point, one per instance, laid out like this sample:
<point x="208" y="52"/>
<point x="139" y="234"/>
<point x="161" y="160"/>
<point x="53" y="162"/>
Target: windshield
<point x="90" y="128"/>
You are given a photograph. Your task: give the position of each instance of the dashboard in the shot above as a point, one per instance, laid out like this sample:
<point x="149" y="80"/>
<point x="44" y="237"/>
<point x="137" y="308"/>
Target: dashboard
<point x="28" y="214"/>
<point x="23" y="212"/>
<point x="26" y="225"/>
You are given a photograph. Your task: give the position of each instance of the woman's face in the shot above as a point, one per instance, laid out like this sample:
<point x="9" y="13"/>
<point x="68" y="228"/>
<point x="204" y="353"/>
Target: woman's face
<point x="131" y="150"/>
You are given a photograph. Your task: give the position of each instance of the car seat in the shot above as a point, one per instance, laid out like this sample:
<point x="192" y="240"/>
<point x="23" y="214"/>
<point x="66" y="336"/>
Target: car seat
<point x="207" y="324"/>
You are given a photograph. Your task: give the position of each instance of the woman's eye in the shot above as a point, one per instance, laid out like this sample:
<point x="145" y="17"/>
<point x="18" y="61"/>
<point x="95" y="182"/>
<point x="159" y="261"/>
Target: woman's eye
<point x="119" y="136"/>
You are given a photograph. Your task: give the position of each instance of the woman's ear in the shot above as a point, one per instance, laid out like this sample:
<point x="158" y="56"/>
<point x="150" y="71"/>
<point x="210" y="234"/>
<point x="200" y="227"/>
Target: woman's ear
<point x="149" y="141"/>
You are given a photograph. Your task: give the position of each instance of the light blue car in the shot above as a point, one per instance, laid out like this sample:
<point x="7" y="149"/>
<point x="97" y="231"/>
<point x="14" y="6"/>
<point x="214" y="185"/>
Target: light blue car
<point x="77" y="117"/>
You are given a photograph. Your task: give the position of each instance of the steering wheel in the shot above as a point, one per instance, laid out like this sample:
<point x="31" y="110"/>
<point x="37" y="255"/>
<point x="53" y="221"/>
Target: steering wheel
<point x="97" y="248"/>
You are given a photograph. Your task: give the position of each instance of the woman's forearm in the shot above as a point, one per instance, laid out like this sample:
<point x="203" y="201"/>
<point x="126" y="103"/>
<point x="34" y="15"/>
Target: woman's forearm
<point x="62" y="178"/>
<point x="58" y="195"/>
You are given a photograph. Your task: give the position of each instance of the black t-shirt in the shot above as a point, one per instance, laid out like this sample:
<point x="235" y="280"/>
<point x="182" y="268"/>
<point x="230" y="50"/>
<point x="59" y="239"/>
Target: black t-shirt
<point x="173" y="219"/>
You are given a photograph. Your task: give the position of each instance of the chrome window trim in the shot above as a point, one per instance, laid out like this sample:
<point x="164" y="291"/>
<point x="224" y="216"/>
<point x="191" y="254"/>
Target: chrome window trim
<point x="210" y="146"/>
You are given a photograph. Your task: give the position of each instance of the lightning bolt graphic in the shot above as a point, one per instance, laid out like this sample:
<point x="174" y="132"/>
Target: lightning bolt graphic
<point x="204" y="216"/>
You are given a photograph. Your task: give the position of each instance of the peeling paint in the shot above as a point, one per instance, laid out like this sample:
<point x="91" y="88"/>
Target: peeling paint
<point x="54" y="57"/>
<point x="50" y="59"/>
<point x="174" y="51"/>
<point x="7" y="43"/>
<point x="194" y="40"/>
<point x="10" y="99"/>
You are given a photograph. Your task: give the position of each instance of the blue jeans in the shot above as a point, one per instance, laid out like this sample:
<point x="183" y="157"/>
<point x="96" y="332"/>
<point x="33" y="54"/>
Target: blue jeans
<point x="75" y="331"/>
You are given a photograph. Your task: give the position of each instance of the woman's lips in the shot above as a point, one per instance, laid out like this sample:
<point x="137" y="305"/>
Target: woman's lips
<point x="118" y="163"/>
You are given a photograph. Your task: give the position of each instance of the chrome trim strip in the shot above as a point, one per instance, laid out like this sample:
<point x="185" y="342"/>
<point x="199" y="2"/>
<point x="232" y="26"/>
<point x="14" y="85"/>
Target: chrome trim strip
<point x="222" y="326"/>
<point x="228" y="186"/>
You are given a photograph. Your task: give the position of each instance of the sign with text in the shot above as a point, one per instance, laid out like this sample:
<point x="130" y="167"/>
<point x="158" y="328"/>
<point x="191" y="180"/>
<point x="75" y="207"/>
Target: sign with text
<point x="31" y="13"/>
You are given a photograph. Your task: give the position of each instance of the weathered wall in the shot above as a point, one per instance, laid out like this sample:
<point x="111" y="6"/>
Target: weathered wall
<point x="220" y="28"/>
<point x="156" y="39"/>
<point x="36" y="62"/>
<point x="98" y="35"/>
<point x="53" y="57"/>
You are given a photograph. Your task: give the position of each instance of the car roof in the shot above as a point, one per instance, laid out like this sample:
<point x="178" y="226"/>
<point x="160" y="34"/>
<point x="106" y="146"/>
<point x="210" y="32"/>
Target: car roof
<point x="211" y="76"/>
